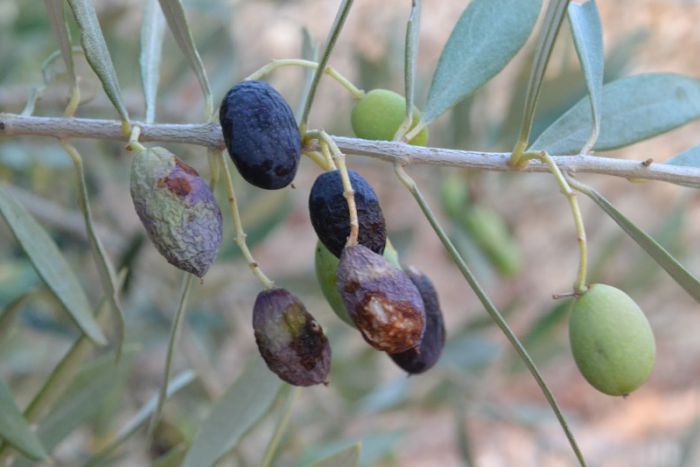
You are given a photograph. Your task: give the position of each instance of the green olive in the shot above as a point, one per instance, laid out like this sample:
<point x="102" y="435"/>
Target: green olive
<point x="380" y="113"/>
<point x="611" y="340"/>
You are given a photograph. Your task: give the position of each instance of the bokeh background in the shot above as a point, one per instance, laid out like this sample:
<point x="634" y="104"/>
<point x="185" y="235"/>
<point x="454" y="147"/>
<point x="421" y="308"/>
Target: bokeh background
<point x="479" y="406"/>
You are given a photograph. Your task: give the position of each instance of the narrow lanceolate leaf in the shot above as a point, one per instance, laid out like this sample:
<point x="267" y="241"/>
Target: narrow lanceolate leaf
<point x="152" y="31"/>
<point x="54" y="9"/>
<point x="14" y="428"/>
<point x="588" y="38"/>
<point x="545" y="44"/>
<point x="349" y="457"/>
<point x="411" y="52"/>
<point x="243" y="404"/>
<point x="177" y="22"/>
<point x="688" y="158"/>
<point x="50" y="265"/>
<point x="634" y="108"/>
<point x="488" y="34"/>
<point x="97" y="54"/>
<point x="309" y="51"/>
<point x="664" y="259"/>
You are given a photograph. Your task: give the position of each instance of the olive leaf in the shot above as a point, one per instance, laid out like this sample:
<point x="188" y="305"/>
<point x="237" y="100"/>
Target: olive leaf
<point x="688" y="158"/>
<point x="177" y="22"/>
<point x="554" y="15"/>
<point x="664" y="259"/>
<point x="14" y="428"/>
<point x="634" y="108"/>
<point x="178" y="382"/>
<point x="245" y="402"/>
<point x="58" y="26"/>
<point x="487" y="35"/>
<point x="152" y="32"/>
<point x="348" y="457"/>
<point x="309" y="51"/>
<point x="97" y="54"/>
<point x="51" y="265"/>
<point x="410" y="56"/>
<point x="588" y="39"/>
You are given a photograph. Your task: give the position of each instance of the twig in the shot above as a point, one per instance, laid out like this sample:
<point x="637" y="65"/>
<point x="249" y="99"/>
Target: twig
<point x="209" y="135"/>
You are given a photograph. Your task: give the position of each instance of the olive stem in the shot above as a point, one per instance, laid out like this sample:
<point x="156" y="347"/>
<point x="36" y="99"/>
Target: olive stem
<point x="280" y="428"/>
<point x="174" y="333"/>
<point x="356" y="92"/>
<point x="318" y="159"/>
<point x="337" y="26"/>
<point x="108" y="277"/>
<point x="485" y="300"/>
<point x="348" y="192"/>
<point x="327" y="154"/>
<point x="239" y="235"/>
<point x="544" y="157"/>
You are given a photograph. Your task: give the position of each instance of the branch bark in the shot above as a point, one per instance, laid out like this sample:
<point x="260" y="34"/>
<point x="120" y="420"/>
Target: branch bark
<point x="209" y="135"/>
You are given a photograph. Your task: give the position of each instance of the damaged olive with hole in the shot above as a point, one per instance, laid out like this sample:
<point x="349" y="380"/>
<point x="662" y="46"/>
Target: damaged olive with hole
<point x="177" y="209"/>
<point x="382" y="301"/>
<point x="289" y="339"/>
<point x="426" y="354"/>
<point x="330" y="217"/>
<point x="326" y="265"/>
<point x="261" y="134"/>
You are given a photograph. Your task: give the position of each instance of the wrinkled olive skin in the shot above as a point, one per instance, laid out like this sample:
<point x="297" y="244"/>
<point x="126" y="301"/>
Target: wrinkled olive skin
<point x="326" y="266"/>
<point x="381" y="300"/>
<point x="289" y="339"/>
<point x="330" y="217"/>
<point x="380" y="113"/>
<point x="177" y="209"/>
<point x="424" y="356"/>
<point x="611" y="340"/>
<point x="261" y="134"/>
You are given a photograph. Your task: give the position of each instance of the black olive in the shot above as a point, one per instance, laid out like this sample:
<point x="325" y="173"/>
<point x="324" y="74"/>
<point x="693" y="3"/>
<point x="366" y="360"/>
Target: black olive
<point x="426" y="354"/>
<point x="261" y="134"/>
<point x="330" y="217"/>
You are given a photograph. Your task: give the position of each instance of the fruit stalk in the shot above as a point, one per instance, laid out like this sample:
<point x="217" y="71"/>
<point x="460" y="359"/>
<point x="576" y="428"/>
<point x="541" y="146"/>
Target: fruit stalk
<point x="545" y="158"/>
<point x="239" y="233"/>
<point x="265" y="70"/>
<point x="411" y="186"/>
<point x="339" y="159"/>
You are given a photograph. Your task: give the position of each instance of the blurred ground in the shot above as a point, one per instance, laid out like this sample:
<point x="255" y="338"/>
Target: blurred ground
<point x="495" y="402"/>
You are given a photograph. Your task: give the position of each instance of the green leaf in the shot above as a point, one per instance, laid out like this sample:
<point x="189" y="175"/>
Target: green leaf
<point x="488" y="34"/>
<point x="553" y="17"/>
<point x="588" y="39"/>
<point x="177" y="22"/>
<point x="58" y="26"/>
<point x="634" y="108"/>
<point x="349" y="457"/>
<point x="410" y="56"/>
<point x="152" y="32"/>
<point x="14" y="428"/>
<point x="688" y="158"/>
<point x="243" y="404"/>
<point x="663" y="258"/>
<point x="137" y="421"/>
<point x="50" y="265"/>
<point x="97" y="53"/>
<point x="83" y="400"/>
<point x="309" y="51"/>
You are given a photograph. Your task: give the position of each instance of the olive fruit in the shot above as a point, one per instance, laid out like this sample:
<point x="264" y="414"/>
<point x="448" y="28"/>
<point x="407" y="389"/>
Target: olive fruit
<point x="177" y="208"/>
<point x="330" y="217"/>
<point x="611" y="340"/>
<point x="380" y="113"/>
<point x="381" y="300"/>
<point x="261" y="134"/>
<point x="289" y="339"/>
<point x="490" y="233"/>
<point x="426" y="354"/>
<point x="326" y="267"/>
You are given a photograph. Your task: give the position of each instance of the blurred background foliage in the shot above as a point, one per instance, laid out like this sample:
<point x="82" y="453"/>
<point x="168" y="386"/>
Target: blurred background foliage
<point x="478" y="406"/>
